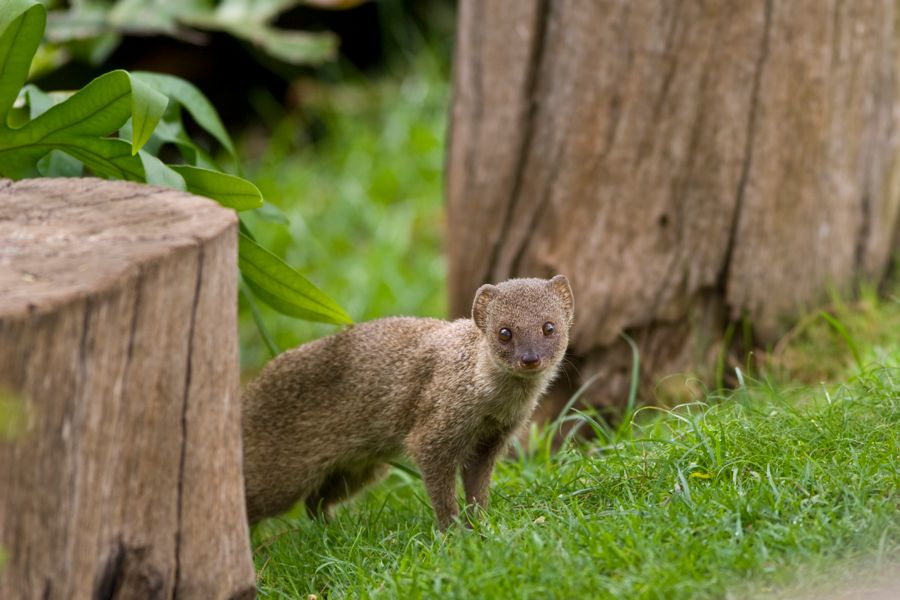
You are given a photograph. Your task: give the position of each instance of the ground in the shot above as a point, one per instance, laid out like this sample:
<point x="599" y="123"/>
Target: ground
<point x="773" y="488"/>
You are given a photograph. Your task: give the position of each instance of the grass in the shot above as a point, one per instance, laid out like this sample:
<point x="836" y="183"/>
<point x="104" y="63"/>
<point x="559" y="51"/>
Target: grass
<point x="823" y="346"/>
<point x="769" y="487"/>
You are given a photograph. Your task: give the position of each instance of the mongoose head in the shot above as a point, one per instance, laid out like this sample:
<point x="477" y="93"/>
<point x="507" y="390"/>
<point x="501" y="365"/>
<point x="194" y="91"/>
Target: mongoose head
<point x="525" y="322"/>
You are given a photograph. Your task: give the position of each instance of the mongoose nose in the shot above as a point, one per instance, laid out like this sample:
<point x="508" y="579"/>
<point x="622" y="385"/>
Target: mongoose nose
<point x="530" y="360"/>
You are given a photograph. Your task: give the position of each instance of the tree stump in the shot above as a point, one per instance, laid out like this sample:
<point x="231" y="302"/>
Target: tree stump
<point x="691" y="166"/>
<point x="118" y="341"/>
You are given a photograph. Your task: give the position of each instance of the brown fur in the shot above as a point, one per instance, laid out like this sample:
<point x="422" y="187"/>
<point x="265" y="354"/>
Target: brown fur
<point x="321" y="420"/>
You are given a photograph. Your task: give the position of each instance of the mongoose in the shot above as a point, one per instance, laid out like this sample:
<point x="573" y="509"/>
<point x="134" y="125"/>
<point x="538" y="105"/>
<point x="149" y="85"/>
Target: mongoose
<point x="321" y="420"/>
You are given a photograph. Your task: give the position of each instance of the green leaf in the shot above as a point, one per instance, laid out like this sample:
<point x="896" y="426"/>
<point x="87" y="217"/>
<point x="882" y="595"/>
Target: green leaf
<point x="59" y="164"/>
<point x="157" y="173"/>
<point x="106" y="157"/>
<point x="228" y="190"/>
<point x="19" y="163"/>
<point x="147" y="108"/>
<point x="74" y="126"/>
<point x="271" y="213"/>
<point x="193" y="101"/>
<point x="77" y="23"/>
<point x="16" y="117"/>
<point x="267" y="338"/>
<point x="277" y="284"/>
<point x="21" y="27"/>
<point x="61" y="136"/>
<point x="252" y="10"/>
<point x="246" y="19"/>
<point x="37" y="100"/>
<point x="171" y="131"/>
<point x="100" y="108"/>
<point x="159" y="17"/>
<point x="294" y="47"/>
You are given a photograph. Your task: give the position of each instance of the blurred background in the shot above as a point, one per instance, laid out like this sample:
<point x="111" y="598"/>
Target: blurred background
<point x="704" y="203"/>
<point x="343" y="130"/>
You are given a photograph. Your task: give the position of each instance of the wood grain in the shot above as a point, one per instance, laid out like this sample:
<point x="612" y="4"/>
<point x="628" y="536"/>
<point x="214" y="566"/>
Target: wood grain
<point x="687" y="164"/>
<point x="118" y="335"/>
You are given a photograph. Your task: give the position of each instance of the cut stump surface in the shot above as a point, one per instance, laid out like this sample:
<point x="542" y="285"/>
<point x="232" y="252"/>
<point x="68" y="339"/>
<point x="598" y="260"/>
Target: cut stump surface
<point x="120" y="458"/>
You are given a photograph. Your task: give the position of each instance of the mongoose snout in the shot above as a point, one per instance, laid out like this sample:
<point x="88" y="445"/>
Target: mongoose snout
<point x="322" y="420"/>
<point x="530" y="360"/>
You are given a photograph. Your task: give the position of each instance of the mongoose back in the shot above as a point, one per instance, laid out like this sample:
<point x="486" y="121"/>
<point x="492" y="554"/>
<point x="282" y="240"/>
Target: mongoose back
<point x="322" y="419"/>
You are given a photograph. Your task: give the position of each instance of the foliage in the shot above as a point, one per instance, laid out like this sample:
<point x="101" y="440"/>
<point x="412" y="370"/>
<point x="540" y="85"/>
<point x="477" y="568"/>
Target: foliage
<point x="13" y="422"/>
<point x="100" y="24"/>
<point x="764" y="489"/>
<point x="360" y="165"/>
<point x="818" y="348"/>
<point x="56" y="135"/>
<point x="13" y="416"/>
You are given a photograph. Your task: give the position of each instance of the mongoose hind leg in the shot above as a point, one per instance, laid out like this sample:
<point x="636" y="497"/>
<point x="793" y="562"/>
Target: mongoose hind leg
<point x="270" y="496"/>
<point x="339" y="485"/>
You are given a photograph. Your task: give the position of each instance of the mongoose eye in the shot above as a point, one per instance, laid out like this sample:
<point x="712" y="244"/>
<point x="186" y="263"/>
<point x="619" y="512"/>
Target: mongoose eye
<point x="505" y="335"/>
<point x="549" y="328"/>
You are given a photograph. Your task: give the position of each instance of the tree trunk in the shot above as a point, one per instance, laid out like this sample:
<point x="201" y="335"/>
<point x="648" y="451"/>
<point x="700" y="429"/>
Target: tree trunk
<point x="122" y="476"/>
<point x="686" y="164"/>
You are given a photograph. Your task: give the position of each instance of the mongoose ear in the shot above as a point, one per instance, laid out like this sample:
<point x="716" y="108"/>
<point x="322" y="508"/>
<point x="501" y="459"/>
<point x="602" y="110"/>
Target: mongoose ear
<point x="560" y="285"/>
<point x="483" y="297"/>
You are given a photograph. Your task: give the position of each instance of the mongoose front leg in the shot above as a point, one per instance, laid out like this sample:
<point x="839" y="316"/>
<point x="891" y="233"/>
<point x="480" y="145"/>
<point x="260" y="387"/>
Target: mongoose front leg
<point x="477" y="470"/>
<point x="440" y="483"/>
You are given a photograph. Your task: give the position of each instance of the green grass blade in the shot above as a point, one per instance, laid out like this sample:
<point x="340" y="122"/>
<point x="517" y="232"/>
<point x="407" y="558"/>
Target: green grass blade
<point x="569" y="414"/>
<point x="635" y="374"/>
<point x="228" y="190"/>
<point x="22" y="24"/>
<point x="742" y="385"/>
<point x="845" y="335"/>
<point x="258" y="320"/>
<point x="722" y="356"/>
<point x="412" y="472"/>
<point x="280" y="286"/>
<point x="563" y="414"/>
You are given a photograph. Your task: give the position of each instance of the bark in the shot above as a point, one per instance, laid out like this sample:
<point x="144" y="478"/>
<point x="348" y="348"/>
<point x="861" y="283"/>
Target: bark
<point x="686" y="164"/>
<point x="118" y="339"/>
